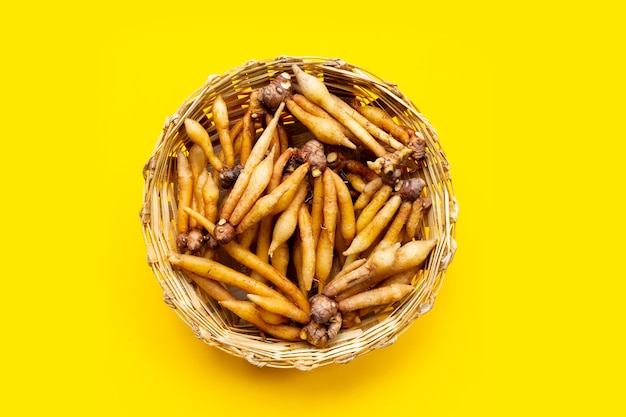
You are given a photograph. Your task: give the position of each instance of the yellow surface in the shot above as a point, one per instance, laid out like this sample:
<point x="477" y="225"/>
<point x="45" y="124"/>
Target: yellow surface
<point x="528" y="100"/>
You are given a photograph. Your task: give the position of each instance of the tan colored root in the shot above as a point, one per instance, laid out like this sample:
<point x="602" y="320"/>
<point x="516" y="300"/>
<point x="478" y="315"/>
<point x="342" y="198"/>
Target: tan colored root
<point x="307" y="248"/>
<point x="185" y="190"/>
<point x="324" y="258"/>
<point x="287" y="221"/>
<point x="198" y="134"/>
<point x="347" y="223"/>
<point x="264" y="206"/>
<point x="249" y="312"/>
<point x="245" y="257"/>
<point x="384" y="121"/>
<point x="368" y="192"/>
<point x="280" y="306"/>
<point x="378" y="200"/>
<point x="375" y="297"/>
<point x="222" y="125"/>
<point x="259" y="179"/>
<point x="256" y="156"/>
<point x="331" y="204"/>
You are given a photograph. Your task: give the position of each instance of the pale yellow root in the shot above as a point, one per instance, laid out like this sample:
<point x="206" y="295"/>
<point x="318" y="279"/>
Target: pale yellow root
<point x="279" y="280"/>
<point x="197" y="162"/>
<point x="405" y="277"/>
<point x="278" y="177"/>
<point x="317" y="207"/>
<point x="249" y="312"/>
<point x="376" y="203"/>
<point x="349" y="267"/>
<point x="266" y="227"/>
<point x="248" y="133"/>
<point x="280" y="258"/>
<point x="384" y="121"/>
<point x="316" y="110"/>
<point x="222" y="125"/>
<point x="211" y="287"/>
<point x="415" y="219"/>
<point x="247" y="238"/>
<point x="280" y="306"/>
<point x="259" y="180"/>
<point x="211" y="196"/>
<point x="283" y="139"/>
<point x="376" y="297"/>
<point x="272" y="318"/>
<point x="325" y="130"/>
<point x="263" y="239"/>
<point x="257" y="154"/>
<point x="247" y="258"/>
<point x="197" y="202"/>
<point x="236" y="130"/>
<point x="347" y="223"/>
<point x="307" y="250"/>
<point x="287" y="221"/>
<point x="411" y="254"/>
<point x="406" y="257"/>
<point x="214" y="270"/>
<point x="185" y="190"/>
<point x="315" y="90"/>
<point x="394" y="232"/>
<point x="377" y="263"/>
<point x="279" y="167"/>
<point x="331" y="205"/>
<point x="200" y="136"/>
<point x="366" y="237"/>
<point x="265" y="205"/>
<point x="368" y="192"/>
<point x="275" y="142"/>
<point x="324" y="258"/>
<point x="373" y="129"/>
<point x="356" y="182"/>
<point x="360" y="168"/>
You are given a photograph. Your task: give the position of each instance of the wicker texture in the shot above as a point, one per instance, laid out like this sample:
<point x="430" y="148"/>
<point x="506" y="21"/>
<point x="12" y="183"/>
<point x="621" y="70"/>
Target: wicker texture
<point x="204" y="316"/>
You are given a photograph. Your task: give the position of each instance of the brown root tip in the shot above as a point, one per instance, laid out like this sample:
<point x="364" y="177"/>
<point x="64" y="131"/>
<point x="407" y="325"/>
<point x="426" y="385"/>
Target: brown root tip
<point x="211" y="242"/>
<point x="195" y="240"/>
<point x="411" y="188"/>
<point x="334" y="326"/>
<point x="257" y="111"/>
<point x="313" y="152"/>
<point x="228" y="176"/>
<point x="224" y="233"/>
<point x="417" y="144"/>
<point x="181" y="241"/>
<point x="323" y="308"/>
<point x="276" y="92"/>
<point x="391" y="178"/>
<point x="336" y="160"/>
<point x="315" y="333"/>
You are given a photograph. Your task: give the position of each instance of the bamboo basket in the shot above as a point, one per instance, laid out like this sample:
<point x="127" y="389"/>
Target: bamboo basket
<point x="215" y="325"/>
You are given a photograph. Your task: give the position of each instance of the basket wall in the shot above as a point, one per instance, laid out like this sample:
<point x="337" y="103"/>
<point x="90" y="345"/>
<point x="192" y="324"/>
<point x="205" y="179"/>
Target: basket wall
<point x="205" y="317"/>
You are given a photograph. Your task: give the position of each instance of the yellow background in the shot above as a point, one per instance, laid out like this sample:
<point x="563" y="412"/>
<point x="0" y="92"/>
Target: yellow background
<point x="528" y="100"/>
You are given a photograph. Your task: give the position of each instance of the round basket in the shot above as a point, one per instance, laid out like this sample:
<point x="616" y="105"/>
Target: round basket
<point x="216" y="325"/>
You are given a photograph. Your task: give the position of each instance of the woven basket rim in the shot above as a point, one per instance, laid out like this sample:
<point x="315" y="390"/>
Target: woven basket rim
<point x="203" y="315"/>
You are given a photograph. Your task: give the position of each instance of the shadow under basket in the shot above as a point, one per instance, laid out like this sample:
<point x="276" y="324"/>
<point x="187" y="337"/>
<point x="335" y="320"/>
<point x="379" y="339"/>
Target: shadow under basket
<point x="217" y="326"/>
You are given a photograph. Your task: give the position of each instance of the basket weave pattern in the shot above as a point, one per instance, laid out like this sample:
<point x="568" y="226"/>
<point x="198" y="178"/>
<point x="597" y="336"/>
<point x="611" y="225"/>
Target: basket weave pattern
<point x="215" y="325"/>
